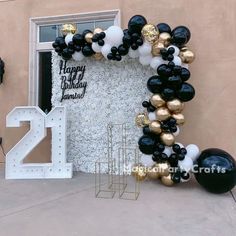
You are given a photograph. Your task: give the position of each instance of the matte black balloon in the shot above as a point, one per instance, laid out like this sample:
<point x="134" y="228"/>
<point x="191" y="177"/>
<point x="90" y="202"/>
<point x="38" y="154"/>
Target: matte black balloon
<point x="186" y="92"/>
<point x="154" y="84"/>
<point x="147" y="144"/>
<point x="164" y="70"/>
<point x="185" y="74"/>
<point x="87" y="51"/>
<point x="163" y="27"/>
<point x="218" y="170"/>
<point x="78" y="39"/>
<point x="180" y="35"/>
<point x="136" y="24"/>
<point x="174" y="82"/>
<point x="168" y="94"/>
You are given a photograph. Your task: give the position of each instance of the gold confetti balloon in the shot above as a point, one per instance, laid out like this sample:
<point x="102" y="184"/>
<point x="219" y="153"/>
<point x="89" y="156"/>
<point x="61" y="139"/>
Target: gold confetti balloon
<point x="155" y="127"/>
<point x="175" y="105"/>
<point x="68" y="28"/>
<point x="179" y="118"/>
<point x="167" y="181"/>
<point x="150" y="33"/>
<point x="162" y="113"/>
<point x="142" y="120"/>
<point x="186" y="55"/>
<point x="157" y="101"/>
<point x="167" y="138"/>
<point x="88" y="37"/>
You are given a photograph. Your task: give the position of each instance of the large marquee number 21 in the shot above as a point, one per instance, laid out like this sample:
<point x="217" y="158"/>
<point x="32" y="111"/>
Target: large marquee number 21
<point x="39" y="122"/>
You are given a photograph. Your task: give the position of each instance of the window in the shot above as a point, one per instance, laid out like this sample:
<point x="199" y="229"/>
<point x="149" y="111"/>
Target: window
<point x="43" y="32"/>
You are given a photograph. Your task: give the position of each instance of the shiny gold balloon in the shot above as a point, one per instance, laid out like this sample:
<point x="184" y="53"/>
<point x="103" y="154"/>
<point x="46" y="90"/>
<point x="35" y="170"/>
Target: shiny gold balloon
<point x="97" y="30"/>
<point x="175" y="105"/>
<point x="179" y="118"/>
<point x="162" y="113"/>
<point x="142" y="120"/>
<point x="157" y="101"/>
<point x="167" y="138"/>
<point x="165" y="39"/>
<point x="186" y="55"/>
<point x="167" y="181"/>
<point x="152" y="172"/>
<point x="150" y="33"/>
<point x="88" y="37"/>
<point x="156" y="48"/>
<point x="68" y="28"/>
<point x="139" y="172"/>
<point x="98" y="56"/>
<point x="163" y="168"/>
<point x="155" y="127"/>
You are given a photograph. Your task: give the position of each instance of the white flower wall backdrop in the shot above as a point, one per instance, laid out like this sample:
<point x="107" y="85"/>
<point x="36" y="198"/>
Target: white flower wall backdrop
<point x="114" y="93"/>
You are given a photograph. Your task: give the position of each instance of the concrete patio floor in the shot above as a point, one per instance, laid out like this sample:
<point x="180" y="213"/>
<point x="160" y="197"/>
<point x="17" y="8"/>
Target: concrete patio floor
<point x="68" y="208"/>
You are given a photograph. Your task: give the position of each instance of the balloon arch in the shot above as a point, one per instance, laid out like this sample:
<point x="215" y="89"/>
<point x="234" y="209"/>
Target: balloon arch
<point x="166" y="52"/>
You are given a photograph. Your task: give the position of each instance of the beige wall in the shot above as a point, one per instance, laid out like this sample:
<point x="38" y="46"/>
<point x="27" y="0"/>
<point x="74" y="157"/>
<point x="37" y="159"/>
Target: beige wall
<point x="210" y="116"/>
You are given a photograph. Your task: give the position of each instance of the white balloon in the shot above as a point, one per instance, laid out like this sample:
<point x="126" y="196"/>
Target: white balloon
<point x="186" y="164"/>
<point x="146" y="160"/>
<point x="167" y="151"/>
<point x="114" y="35"/>
<point x="176" y="53"/>
<point x="145" y="49"/>
<point x="156" y="62"/>
<point x="68" y="38"/>
<point x="177" y="131"/>
<point x="78" y="56"/>
<point x="177" y="61"/>
<point x="133" y="53"/>
<point x="105" y="50"/>
<point x="152" y="116"/>
<point x="96" y="47"/>
<point x="145" y="60"/>
<point x="193" y="151"/>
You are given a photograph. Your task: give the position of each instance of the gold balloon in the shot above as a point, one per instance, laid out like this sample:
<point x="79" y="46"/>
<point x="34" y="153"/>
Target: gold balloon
<point x="162" y="113"/>
<point x="68" y="28"/>
<point x="167" y="138"/>
<point x="179" y="118"/>
<point x="142" y="120"/>
<point x="167" y="181"/>
<point x="156" y="48"/>
<point x="150" y="33"/>
<point x="186" y="55"/>
<point x="165" y="39"/>
<point x="152" y="172"/>
<point x="175" y="105"/>
<point x="98" y="56"/>
<point x="97" y="30"/>
<point x="139" y="172"/>
<point x="157" y="101"/>
<point x="163" y="168"/>
<point x="88" y="37"/>
<point x="155" y="127"/>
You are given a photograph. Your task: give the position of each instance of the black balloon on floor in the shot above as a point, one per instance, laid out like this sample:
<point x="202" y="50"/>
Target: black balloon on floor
<point x="218" y="170"/>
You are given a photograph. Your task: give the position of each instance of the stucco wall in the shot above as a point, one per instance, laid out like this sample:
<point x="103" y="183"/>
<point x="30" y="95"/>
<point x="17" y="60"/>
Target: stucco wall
<point x="210" y="116"/>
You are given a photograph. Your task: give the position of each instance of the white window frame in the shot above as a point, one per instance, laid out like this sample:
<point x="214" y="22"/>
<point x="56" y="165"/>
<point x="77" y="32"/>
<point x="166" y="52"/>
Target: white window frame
<point x="35" y="47"/>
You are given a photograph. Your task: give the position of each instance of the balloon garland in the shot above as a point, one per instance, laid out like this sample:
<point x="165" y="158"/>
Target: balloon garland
<point x="166" y="52"/>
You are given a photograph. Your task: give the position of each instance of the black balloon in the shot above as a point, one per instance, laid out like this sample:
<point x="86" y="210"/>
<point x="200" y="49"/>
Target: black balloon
<point x="66" y="55"/>
<point x="180" y="35"/>
<point x="147" y="144"/>
<point x="154" y="84"/>
<point x="87" y="51"/>
<point x="185" y="74"/>
<point x="122" y="50"/>
<point x="168" y="94"/>
<point x="136" y="24"/>
<point x="163" y="27"/>
<point x="186" y="92"/>
<point x="78" y="39"/>
<point x="174" y="82"/>
<point x="222" y="175"/>
<point x="164" y="70"/>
